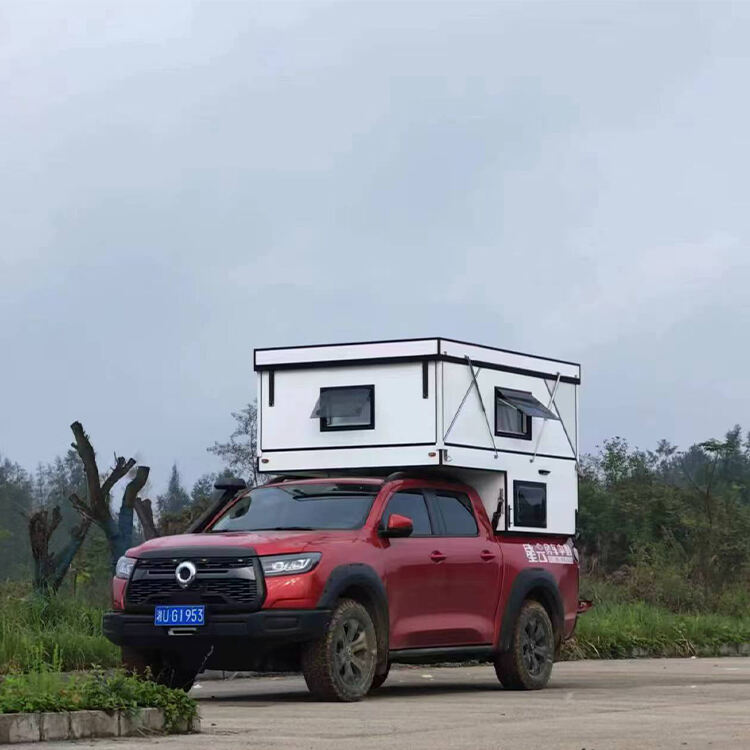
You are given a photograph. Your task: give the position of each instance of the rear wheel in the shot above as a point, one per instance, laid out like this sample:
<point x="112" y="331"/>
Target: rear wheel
<point x="169" y="671"/>
<point x="527" y="665"/>
<point x="340" y="666"/>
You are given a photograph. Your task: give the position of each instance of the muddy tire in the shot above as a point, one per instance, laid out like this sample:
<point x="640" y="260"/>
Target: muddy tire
<point x="340" y="666"/>
<point x="527" y="665"/>
<point x="164" y="671"/>
<point x="379" y="679"/>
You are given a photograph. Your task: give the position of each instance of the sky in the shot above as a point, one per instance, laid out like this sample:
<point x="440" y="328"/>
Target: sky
<point x="181" y="182"/>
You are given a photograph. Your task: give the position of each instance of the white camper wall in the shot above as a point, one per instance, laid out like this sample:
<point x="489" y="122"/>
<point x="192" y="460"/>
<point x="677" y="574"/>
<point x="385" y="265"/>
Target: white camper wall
<point x="402" y="415"/>
<point x="470" y="428"/>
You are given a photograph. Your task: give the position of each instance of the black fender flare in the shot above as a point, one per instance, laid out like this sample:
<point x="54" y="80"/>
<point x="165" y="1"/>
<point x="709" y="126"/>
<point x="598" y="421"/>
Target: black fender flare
<point x="362" y="578"/>
<point x="545" y="589"/>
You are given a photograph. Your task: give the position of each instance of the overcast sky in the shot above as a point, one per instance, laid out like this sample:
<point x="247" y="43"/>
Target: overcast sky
<point x="181" y="182"/>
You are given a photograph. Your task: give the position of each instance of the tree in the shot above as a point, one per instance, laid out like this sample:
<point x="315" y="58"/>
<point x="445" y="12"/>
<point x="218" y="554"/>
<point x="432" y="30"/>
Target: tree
<point x="16" y="503"/>
<point x="175" y="498"/>
<point x="50" y="567"/>
<point x="96" y="507"/>
<point x="240" y="452"/>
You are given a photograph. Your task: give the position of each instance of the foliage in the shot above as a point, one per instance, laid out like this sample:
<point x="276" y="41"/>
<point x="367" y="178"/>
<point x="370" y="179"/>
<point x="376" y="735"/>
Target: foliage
<point x="175" y="499"/>
<point x="673" y="528"/>
<point x="240" y="451"/>
<point x="16" y="502"/>
<point x="201" y="497"/>
<point x="46" y="689"/>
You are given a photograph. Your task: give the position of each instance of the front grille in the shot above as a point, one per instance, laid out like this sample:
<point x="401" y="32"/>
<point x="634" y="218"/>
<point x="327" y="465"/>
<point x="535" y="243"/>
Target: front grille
<point x="223" y="591"/>
<point x="221" y="583"/>
<point x="203" y="564"/>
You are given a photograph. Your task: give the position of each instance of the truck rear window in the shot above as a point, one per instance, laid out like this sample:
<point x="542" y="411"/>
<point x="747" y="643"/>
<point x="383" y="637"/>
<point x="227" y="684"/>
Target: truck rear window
<point x="299" y="506"/>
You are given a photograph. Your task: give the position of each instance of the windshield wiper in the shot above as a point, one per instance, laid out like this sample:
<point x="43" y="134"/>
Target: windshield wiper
<point x="286" y="528"/>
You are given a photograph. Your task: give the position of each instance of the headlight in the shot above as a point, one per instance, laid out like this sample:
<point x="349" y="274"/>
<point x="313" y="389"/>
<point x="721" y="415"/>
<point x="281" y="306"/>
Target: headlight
<point x="124" y="567"/>
<point x="284" y="565"/>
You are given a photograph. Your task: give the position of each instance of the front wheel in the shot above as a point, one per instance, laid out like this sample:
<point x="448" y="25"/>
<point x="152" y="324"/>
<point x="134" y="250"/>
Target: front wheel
<point x="379" y="679"/>
<point x="340" y="666"/>
<point x="527" y="665"/>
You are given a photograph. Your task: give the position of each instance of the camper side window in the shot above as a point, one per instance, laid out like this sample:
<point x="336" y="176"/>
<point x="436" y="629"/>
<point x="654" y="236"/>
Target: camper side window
<point x="530" y="504"/>
<point x="510" y="421"/>
<point x="350" y="407"/>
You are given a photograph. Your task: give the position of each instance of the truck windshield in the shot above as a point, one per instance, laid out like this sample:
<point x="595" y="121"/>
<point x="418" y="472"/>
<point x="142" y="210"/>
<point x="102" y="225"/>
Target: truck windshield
<point x="299" y="506"/>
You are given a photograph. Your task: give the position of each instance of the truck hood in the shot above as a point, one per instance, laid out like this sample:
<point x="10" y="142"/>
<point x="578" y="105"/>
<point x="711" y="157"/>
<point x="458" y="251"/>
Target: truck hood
<point x="231" y="543"/>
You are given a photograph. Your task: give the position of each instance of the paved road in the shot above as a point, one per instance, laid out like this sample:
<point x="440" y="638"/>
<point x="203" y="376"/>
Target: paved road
<point x="596" y="705"/>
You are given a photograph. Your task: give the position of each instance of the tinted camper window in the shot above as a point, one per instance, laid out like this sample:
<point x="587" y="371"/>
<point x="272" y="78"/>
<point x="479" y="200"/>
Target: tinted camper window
<point x="530" y="504"/>
<point x="346" y="408"/>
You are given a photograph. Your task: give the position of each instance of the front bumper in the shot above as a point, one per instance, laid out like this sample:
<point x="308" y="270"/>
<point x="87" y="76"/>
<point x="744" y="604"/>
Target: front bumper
<point x="264" y="626"/>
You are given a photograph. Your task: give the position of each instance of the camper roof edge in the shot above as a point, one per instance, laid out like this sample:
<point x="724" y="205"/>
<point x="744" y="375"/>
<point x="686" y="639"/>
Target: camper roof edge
<point x="322" y="355"/>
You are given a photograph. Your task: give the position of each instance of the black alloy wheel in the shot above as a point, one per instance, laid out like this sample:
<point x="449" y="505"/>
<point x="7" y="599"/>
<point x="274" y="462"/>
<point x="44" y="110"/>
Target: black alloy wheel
<point x="527" y="665"/>
<point x="340" y="665"/>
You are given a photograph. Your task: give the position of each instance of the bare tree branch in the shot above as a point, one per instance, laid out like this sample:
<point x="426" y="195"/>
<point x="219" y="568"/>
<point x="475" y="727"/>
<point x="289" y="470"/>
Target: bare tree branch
<point x="121" y="469"/>
<point x="145" y="514"/>
<point x="85" y="450"/>
<point x="135" y="485"/>
<point x="81" y="507"/>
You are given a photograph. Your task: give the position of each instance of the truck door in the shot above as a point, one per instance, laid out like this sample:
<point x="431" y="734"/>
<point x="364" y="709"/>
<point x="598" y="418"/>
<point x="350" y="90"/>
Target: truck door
<point x="415" y="576"/>
<point x="472" y="569"/>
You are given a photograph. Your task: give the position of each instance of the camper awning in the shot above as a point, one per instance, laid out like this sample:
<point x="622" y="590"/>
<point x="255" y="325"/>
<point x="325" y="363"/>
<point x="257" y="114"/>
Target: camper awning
<point x="351" y="401"/>
<point x="525" y="402"/>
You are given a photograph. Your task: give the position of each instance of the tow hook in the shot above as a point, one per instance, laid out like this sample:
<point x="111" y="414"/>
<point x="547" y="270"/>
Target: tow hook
<point x="584" y="605"/>
<point x="182" y="631"/>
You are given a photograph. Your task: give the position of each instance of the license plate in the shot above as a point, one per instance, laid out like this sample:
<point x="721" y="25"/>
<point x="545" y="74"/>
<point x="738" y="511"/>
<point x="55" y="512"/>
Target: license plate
<point x="180" y="614"/>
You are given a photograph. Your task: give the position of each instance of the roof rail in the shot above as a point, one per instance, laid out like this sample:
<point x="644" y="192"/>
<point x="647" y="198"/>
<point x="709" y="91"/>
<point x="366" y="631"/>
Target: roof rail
<point x="427" y="475"/>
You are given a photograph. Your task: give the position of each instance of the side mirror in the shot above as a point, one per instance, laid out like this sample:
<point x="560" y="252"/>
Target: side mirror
<point x="398" y="526"/>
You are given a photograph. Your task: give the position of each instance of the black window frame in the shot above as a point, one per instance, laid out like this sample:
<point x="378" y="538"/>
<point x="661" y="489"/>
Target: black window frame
<point x="520" y="484"/>
<point x="324" y="427"/>
<point x="431" y="513"/>
<point x="434" y="506"/>
<point x="526" y="435"/>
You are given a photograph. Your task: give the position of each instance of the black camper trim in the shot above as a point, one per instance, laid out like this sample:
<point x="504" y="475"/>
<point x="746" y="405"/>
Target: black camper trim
<point x="416" y="358"/>
<point x="437" y="339"/>
<point x="507" y="450"/>
<point x="347" y="447"/>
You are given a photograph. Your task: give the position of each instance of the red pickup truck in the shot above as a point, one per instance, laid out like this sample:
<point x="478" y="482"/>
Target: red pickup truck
<point x="340" y="578"/>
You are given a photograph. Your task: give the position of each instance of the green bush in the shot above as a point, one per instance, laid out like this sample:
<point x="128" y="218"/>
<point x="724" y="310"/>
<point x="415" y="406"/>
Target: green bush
<point x="47" y="690"/>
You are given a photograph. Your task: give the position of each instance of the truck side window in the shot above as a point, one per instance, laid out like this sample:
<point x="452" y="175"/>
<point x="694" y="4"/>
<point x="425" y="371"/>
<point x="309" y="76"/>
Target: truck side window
<point x="457" y="513"/>
<point x="412" y="505"/>
<point x="530" y="504"/>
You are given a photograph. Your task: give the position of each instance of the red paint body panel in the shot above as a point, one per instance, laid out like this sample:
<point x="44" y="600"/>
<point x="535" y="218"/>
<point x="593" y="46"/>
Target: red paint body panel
<point x="442" y="591"/>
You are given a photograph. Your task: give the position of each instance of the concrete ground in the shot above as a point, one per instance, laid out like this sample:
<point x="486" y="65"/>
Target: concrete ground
<point x="591" y="705"/>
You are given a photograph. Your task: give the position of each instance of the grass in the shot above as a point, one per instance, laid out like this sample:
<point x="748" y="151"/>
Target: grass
<point x="50" y="690"/>
<point x="66" y="632"/>
<point x="63" y="630"/>
<point x="614" y="630"/>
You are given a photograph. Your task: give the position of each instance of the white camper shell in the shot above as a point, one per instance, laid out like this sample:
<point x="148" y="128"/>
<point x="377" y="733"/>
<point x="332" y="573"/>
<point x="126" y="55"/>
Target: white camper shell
<point x="504" y="422"/>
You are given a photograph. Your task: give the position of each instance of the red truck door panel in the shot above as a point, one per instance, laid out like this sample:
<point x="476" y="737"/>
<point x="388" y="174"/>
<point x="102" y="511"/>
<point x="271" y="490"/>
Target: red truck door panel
<point x="472" y="570"/>
<point x="415" y="576"/>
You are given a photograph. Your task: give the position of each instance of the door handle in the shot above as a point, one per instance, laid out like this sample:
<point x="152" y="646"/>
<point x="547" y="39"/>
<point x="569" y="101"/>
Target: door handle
<point x="437" y="556"/>
<point x="486" y="555"/>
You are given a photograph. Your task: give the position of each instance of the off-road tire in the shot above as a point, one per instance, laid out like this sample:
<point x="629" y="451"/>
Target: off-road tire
<point x="164" y="671"/>
<point x="379" y="679"/>
<point x="340" y="665"/>
<point x="527" y="664"/>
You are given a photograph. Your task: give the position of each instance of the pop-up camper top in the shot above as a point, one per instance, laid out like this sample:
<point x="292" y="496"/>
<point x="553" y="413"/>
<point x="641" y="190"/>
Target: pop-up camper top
<point x="501" y="421"/>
